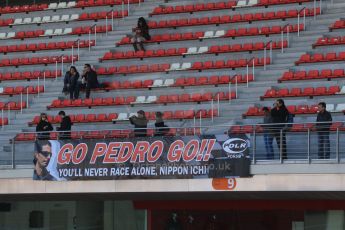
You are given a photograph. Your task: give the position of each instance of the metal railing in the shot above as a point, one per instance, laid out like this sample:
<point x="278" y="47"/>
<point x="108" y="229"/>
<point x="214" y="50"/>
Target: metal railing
<point x="265" y="53"/>
<point x="252" y="63"/>
<point x="95" y="35"/>
<point x="269" y="143"/>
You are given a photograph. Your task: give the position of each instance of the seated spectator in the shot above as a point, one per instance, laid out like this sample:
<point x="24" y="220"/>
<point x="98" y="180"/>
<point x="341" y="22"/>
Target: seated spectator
<point x="141" y="34"/>
<point x="161" y="128"/>
<point x="89" y="79"/>
<point x="140" y="124"/>
<point x="43" y="127"/>
<point x="71" y="84"/>
<point x="65" y="125"/>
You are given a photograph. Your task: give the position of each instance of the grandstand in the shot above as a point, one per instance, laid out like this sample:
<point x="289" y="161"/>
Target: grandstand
<point x="210" y="67"/>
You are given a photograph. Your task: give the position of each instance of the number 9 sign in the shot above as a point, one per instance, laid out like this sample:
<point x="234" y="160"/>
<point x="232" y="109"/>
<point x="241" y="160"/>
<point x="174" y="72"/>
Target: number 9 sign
<point x="224" y="183"/>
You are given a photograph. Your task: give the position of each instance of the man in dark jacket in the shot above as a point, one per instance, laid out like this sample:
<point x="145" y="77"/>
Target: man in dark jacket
<point x="161" y="128"/>
<point x="71" y="84"/>
<point x="325" y="119"/>
<point x="140" y="124"/>
<point x="65" y="125"/>
<point x="279" y="116"/>
<point x="89" y="78"/>
<point x="43" y="127"/>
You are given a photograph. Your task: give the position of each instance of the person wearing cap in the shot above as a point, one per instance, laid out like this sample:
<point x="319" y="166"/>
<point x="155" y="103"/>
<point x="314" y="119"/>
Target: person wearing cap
<point x="43" y="152"/>
<point x="43" y="127"/>
<point x="140" y="124"/>
<point x="65" y="125"/>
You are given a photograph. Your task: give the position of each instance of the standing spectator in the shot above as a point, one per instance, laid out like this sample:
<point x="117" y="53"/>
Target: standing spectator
<point x="161" y="128"/>
<point x="141" y="34"/>
<point x="65" y="125"/>
<point x="268" y="135"/>
<point x="89" y="79"/>
<point x="71" y="83"/>
<point x="325" y="119"/>
<point x="279" y="116"/>
<point x="174" y="223"/>
<point x="43" y="127"/>
<point x="140" y="124"/>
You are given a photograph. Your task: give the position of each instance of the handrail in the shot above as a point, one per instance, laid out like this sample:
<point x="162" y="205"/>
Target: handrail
<point x="203" y="126"/>
<point x="298" y="20"/>
<point x="265" y="52"/>
<point x="78" y="47"/>
<point x="282" y="36"/>
<point x="90" y="30"/>
<point x="251" y="61"/>
<point x="106" y="21"/>
<point x="301" y="10"/>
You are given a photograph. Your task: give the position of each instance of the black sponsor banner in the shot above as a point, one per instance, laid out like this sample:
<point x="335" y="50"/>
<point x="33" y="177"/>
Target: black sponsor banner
<point x="206" y="156"/>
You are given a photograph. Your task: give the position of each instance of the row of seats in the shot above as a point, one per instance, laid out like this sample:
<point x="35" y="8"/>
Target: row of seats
<point x="220" y="64"/>
<point x="301" y="92"/>
<point x="312" y="74"/>
<point x="162" y="99"/>
<point x="320" y="57"/>
<point x="110" y="134"/>
<point x="193" y="8"/>
<point x="179" y="82"/>
<point x="249" y="129"/>
<point x="12" y="105"/>
<point x="240" y="32"/>
<point x="6" y="22"/>
<point x="3" y="121"/>
<point x="190" y="8"/>
<point x="328" y="41"/>
<point x="21" y="90"/>
<point x="248" y="17"/>
<point x="27" y="75"/>
<point x="37" y="60"/>
<point x="182" y="66"/>
<point x="92" y="3"/>
<point x="45" y="19"/>
<point x="340" y="24"/>
<point x="46" y="46"/>
<point x="103" y="15"/>
<point x="55" y="32"/>
<point x="63" y="18"/>
<point x="216" y="49"/>
<point x="63" y="5"/>
<point x="167" y="115"/>
<point x="24" y="8"/>
<point x="298" y="109"/>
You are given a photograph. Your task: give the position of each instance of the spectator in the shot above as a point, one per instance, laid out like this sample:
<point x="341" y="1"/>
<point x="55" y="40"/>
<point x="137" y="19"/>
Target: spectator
<point x="71" y="84"/>
<point x="279" y="116"/>
<point x="140" y="124"/>
<point x="161" y="128"/>
<point x="141" y="34"/>
<point x="43" y="127"/>
<point x="42" y="155"/>
<point x="173" y="223"/>
<point x="65" y="125"/>
<point x="268" y="135"/>
<point x="325" y="119"/>
<point x="89" y="79"/>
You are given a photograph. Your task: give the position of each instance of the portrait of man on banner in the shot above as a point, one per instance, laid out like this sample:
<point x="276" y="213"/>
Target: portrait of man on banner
<point x="45" y="160"/>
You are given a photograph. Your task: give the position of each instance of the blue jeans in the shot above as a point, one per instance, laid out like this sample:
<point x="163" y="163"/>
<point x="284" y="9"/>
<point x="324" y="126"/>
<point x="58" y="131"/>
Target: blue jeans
<point x="324" y="145"/>
<point x="269" y="146"/>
